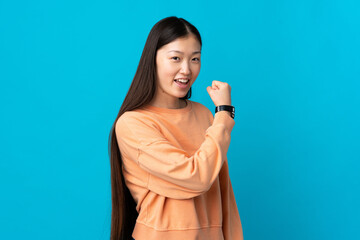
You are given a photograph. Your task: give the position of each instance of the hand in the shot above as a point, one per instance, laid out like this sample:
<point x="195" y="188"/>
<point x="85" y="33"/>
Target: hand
<point x="220" y="93"/>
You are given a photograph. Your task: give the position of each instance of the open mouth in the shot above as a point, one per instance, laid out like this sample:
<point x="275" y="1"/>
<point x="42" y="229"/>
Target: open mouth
<point x="182" y="82"/>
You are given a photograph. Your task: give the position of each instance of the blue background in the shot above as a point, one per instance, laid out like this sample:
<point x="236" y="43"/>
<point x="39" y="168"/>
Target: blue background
<point x="294" y="68"/>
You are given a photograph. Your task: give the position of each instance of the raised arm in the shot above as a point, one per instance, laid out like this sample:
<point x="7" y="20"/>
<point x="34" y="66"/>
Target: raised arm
<point x="172" y="172"/>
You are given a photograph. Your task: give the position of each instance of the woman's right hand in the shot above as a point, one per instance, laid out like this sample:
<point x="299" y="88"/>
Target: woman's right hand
<point x="220" y="93"/>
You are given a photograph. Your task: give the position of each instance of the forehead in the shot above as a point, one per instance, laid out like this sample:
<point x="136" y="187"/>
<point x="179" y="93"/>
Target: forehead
<point x="188" y="44"/>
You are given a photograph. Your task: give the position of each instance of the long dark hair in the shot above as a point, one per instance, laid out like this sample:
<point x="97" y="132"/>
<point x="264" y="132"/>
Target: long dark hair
<point x="140" y="93"/>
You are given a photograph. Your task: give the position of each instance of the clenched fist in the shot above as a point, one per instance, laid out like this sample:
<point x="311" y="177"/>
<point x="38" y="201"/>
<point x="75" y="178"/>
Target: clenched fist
<point x="220" y="93"/>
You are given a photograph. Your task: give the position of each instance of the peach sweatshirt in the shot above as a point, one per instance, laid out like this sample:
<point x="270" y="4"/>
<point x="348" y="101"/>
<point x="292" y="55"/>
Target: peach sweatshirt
<point x="175" y="166"/>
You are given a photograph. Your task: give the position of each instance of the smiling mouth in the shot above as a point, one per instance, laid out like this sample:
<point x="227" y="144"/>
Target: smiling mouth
<point x="182" y="80"/>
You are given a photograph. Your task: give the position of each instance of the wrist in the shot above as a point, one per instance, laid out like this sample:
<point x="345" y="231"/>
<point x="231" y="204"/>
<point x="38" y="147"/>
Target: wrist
<point x="228" y="108"/>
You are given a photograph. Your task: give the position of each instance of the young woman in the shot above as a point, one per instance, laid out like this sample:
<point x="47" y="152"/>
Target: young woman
<point x="169" y="170"/>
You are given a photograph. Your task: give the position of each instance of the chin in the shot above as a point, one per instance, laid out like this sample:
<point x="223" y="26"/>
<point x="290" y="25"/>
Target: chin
<point x="182" y="95"/>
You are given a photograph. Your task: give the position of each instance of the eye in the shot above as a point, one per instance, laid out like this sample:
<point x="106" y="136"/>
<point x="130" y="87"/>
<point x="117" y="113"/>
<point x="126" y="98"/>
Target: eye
<point x="175" y="58"/>
<point x="196" y="59"/>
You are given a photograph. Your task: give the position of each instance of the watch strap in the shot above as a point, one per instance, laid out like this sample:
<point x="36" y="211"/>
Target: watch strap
<point x="228" y="108"/>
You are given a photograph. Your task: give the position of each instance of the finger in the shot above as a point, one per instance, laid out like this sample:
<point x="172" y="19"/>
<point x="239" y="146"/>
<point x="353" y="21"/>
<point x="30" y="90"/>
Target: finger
<point x="220" y="84"/>
<point x="216" y="84"/>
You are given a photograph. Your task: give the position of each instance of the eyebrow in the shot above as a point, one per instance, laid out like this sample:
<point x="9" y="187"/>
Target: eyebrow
<point x="182" y="52"/>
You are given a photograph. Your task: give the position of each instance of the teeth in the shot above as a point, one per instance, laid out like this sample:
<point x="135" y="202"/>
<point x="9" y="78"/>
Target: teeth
<point x="182" y="80"/>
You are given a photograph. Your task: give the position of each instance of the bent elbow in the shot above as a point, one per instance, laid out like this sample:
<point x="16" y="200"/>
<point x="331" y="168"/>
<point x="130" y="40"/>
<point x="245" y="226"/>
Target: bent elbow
<point x="203" y="185"/>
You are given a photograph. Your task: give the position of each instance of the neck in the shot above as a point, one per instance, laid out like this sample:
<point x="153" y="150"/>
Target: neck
<point x="174" y="103"/>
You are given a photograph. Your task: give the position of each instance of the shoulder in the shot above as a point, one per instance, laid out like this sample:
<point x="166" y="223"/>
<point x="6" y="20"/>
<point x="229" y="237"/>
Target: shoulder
<point x="139" y="125"/>
<point x="133" y="129"/>
<point x="134" y="118"/>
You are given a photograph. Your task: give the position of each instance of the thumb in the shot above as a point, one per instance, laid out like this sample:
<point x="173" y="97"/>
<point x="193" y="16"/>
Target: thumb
<point x="209" y="89"/>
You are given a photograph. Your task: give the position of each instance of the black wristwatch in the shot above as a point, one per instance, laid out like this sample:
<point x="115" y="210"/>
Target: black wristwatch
<point x="228" y="108"/>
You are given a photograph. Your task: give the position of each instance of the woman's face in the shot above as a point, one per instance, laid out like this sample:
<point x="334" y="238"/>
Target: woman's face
<point x="178" y="65"/>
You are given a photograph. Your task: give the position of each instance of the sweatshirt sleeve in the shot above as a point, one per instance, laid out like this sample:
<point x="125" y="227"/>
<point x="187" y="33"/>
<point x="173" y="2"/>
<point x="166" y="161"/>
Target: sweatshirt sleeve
<point x="232" y="228"/>
<point x="172" y="173"/>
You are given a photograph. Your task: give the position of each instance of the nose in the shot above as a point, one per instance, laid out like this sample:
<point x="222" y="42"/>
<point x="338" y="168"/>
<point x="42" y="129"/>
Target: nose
<point x="185" y="68"/>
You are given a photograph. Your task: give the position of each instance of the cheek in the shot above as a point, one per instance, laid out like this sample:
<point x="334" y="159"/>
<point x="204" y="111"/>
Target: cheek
<point x="166" y="75"/>
<point x="196" y="69"/>
<point x="166" y="69"/>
